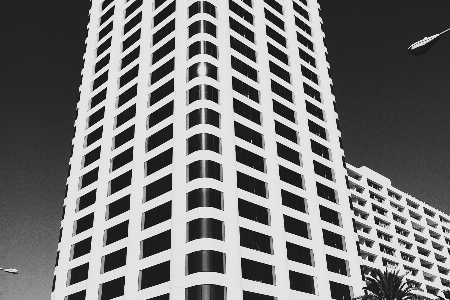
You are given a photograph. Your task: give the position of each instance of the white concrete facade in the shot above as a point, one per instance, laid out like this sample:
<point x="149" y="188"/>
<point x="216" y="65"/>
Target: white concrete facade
<point x="258" y="184"/>
<point x="398" y="231"/>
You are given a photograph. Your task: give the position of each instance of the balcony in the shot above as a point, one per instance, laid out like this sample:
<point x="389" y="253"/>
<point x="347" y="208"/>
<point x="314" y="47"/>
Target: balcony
<point x="414" y="215"/>
<point x="410" y="271"/>
<point x="426" y="264"/>
<point x="437" y="246"/>
<point x="420" y="239"/>
<point x="376" y="197"/>
<point x="382" y="223"/>
<point x="360" y="213"/>
<point x="399" y="208"/>
<point x="374" y="185"/>
<point x="417" y="227"/>
<point x="358" y="200"/>
<point x="412" y="204"/>
<point x="404" y="244"/>
<point x="443" y="270"/>
<point x="423" y="251"/>
<point x="394" y="195"/>
<point x="355" y="187"/>
<point x="434" y="234"/>
<point x="432" y="223"/>
<point x="354" y="175"/>
<point x="440" y="258"/>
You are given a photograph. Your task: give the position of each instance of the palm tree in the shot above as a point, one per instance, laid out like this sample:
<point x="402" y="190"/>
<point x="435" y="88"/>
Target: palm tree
<point x="388" y="285"/>
<point x="446" y="295"/>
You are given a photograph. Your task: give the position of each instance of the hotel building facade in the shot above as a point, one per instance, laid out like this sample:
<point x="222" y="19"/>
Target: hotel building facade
<point x="397" y="231"/>
<point x="207" y="160"/>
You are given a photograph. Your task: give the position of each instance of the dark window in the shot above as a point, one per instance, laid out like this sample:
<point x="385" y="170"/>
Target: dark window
<point x="203" y="141"/>
<point x="97" y="99"/>
<point x="253" y="212"/>
<point x="284" y="111"/>
<point x="162" y="71"/>
<point x="252" y="185"/>
<point x="337" y="265"/>
<point x="156" y="244"/>
<point x="257" y="271"/>
<point x="163" y="51"/>
<point x="132" y="23"/>
<point x="208" y="8"/>
<point x="288" y="154"/>
<point x="320" y="149"/>
<point x="205" y="292"/>
<point x="126" y="96"/>
<point x="281" y="91"/>
<point x="112" y="289"/>
<point x="91" y="157"/>
<point x="293" y="201"/>
<point x="305" y="42"/>
<point x="197" y="69"/>
<point x="197" y="7"/>
<point x="81" y="248"/>
<point x="205" y="261"/>
<point x="301" y="11"/>
<point x="275" y="36"/>
<point x="195" y="28"/>
<point x="157" y="215"/>
<point x="301" y="282"/>
<point x="132" y="8"/>
<point x="275" y="5"/>
<point x="107" y="29"/>
<point x="105" y="17"/>
<point x="200" y="47"/>
<point x="116" y="233"/>
<point x="240" y="11"/>
<point x="203" y="116"/>
<point x="120" y="182"/>
<point x="286" y="132"/>
<point x="163" y="32"/>
<point x="317" y="129"/>
<point x="249" y="135"/>
<point x="163" y="14"/>
<point x="243" y="48"/>
<point x="101" y="63"/>
<point x="106" y="3"/>
<point x="118" y="207"/>
<point x="159" y="138"/>
<point x="114" y="260"/>
<point x="158" y="187"/>
<point x="161" y="297"/>
<point x="323" y="170"/>
<point x="204" y="197"/>
<point x="278" y="54"/>
<point x="245" y="90"/>
<point x="313" y="77"/>
<point x="280" y="72"/>
<point x="314" y="110"/>
<point x="248" y="2"/>
<point x="130" y="57"/>
<point x="244" y="69"/>
<point x="128" y="76"/>
<point x="333" y="239"/>
<point x="302" y="25"/>
<point x="133" y="38"/>
<point x="242" y="30"/>
<point x="154" y="275"/>
<point x="296" y="227"/>
<point x="250" y="159"/>
<point x="78" y="274"/>
<point x="122" y="159"/>
<point x="160" y="114"/>
<point x="158" y="162"/>
<point x="81" y="295"/>
<point x="255" y="296"/>
<point x="204" y="169"/>
<point x="329" y="215"/>
<point x="255" y="240"/>
<point x="291" y="177"/>
<point x="126" y="115"/>
<point x="274" y="19"/>
<point x="205" y="228"/>
<point x="104" y="46"/>
<point x="312" y="92"/>
<point x="307" y="58"/>
<point x="96" y="117"/>
<point x="340" y="291"/>
<point x="86" y="200"/>
<point x="202" y="26"/>
<point x="161" y="92"/>
<point x="203" y="92"/>
<point x="326" y="192"/>
<point x="100" y="80"/>
<point x="89" y="178"/>
<point x="158" y="3"/>
<point x="299" y="254"/>
<point x="94" y="136"/>
<point x="246" y="111"/>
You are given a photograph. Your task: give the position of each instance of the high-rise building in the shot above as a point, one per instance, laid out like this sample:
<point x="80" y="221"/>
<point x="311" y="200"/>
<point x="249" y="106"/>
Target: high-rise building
<point x="396" y="230"/>
<point x="207" y="159"/>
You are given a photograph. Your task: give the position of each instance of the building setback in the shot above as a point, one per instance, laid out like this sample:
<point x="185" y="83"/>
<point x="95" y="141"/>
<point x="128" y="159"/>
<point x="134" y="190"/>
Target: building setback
<point x="207" y="160"/>
<point x="398" y="231"/>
